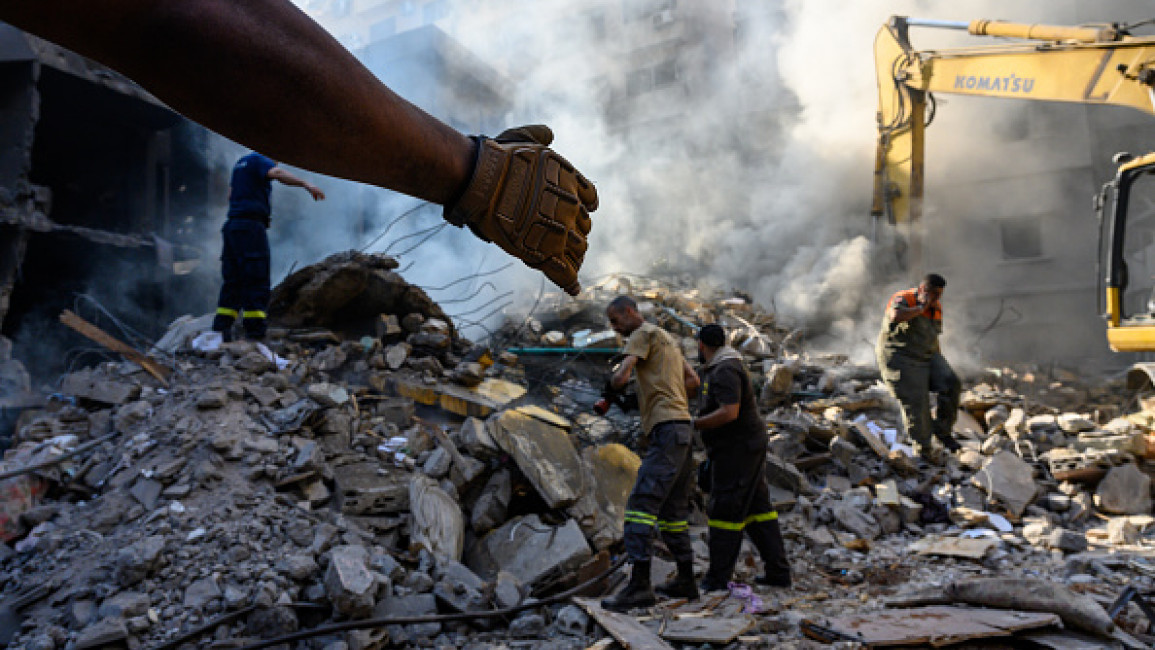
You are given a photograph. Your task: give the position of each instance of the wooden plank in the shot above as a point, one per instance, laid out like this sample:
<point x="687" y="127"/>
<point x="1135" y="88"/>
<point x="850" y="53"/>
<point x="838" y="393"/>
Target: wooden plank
<point x="719" y="631"/>
<point x="627" y="631"/>
<point x="93" y="332"/>
<point x="935" y="626"/>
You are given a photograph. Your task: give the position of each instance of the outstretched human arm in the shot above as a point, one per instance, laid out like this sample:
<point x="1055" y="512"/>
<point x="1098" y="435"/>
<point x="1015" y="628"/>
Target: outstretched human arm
<point x="690" y="378"/>
<point x="621" y="376"/>
<point x="287" y="178"/>
<point x="263" y="73"/>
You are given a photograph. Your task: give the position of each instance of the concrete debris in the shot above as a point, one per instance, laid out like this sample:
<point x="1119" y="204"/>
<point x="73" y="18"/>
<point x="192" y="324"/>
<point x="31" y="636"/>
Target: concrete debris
<point x="387" y="467"/>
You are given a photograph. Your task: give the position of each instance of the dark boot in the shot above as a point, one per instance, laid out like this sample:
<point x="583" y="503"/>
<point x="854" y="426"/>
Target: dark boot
<point x="683" y="585"/>
<point x="724" y="548"/>
<point x="767" y="538"/>
<point x="637" y="593"/>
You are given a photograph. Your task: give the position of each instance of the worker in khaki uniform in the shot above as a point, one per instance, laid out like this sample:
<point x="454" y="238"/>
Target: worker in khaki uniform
<point x="661" y="495"/>
<point x="912" y="365"/>
<point x="736" y="441"/>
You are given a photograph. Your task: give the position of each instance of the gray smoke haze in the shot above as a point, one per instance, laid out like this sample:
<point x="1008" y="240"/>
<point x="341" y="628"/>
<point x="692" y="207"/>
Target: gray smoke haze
<point x="758" y="175"/>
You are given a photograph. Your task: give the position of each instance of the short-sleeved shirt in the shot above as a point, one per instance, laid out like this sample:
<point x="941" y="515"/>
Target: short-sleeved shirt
<point x="250" y="186"/>
<point x="725" y="383"/>
<point x="661" y="377"/>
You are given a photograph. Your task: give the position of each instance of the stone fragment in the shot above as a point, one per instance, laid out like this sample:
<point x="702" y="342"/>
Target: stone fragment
<point x="1015" y="425"/>
<point x="213" y="398"/>
<point x="389" y="326"/>
<point x="468" y="373"/>
<point x="1120" y="530"/>
<point x="527" y="624"/>
<point x="611" y="470"/>
<point x="125" y="604"/>
<point x="104" y="632"/>
<point x="779" y="380"/>
<point x="404" y="607"/>
<point x="843" y="451"/>
<point x="851" y="519"/>
<point x="506" y="590"/>
<point x="146" y="491"/>
<point x="530" y="550"/>
<point x="459" y="588"/>
<point x="137" y="561"/>
<point x="489" y="510"/>
<point x="437" y="465"/>
<point x="437" y="524"/>
<point x="326" y="394"/>
<point x="1068" y="541"/>
<point x="1126" y="490"/>
<point x="996" y="417"/>
<point x="477" y="441"/>
<point x="1075" y="423"/>
<point x="396" y="410"/>
<point x="254" y="362"/>
<point x="348" y="582"/>
<point x="298" y="567"/>
<point x="266" y="396"/>
<point x="92" y="385"/>
<point x="272" y="622"/>
<point x="1009" y="480"/>
<point x="572" y="621"/>
<point x="200" y="592"/>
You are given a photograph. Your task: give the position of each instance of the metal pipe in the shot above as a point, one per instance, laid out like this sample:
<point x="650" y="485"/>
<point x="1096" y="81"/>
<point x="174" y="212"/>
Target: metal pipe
<point x="938" y="24"/>
<point x="546" y="352"/>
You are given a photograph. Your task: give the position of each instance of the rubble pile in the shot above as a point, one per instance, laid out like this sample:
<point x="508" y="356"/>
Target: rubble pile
<point x="340" y="476"/>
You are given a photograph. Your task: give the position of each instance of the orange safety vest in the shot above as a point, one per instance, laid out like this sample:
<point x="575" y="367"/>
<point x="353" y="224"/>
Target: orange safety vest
<point x="909" y="298"/>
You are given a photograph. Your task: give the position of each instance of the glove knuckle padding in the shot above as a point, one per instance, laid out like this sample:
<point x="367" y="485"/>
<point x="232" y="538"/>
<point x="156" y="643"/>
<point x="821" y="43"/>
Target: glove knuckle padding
<point x="530" y="201"/>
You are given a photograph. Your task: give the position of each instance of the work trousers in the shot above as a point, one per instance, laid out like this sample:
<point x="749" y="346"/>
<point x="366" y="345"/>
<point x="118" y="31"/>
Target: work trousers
<point x="661" y="495"/>
<point x="740" y="503"/>
<point x="245" y="271"/>
<point x="911" y="381"/>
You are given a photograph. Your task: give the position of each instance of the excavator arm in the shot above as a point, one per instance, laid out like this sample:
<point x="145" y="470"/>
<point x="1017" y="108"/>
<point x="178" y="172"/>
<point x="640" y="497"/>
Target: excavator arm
<point x="1097" y="64"/>
<point x="1087" y="65"/>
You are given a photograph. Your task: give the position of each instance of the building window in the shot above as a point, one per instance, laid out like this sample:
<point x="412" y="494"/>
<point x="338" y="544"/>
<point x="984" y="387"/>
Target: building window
<point x="1022" y="238"/>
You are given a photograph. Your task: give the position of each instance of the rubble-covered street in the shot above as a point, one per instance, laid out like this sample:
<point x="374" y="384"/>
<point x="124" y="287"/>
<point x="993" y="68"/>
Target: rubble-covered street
<point x="379" y="481"/>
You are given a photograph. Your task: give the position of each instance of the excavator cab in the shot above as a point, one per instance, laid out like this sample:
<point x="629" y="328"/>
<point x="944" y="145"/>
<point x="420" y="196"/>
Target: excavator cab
<point x="1129" y="310"/>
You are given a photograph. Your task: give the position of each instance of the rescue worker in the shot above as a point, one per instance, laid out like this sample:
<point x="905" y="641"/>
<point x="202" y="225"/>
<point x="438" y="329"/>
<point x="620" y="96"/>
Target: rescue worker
<point x="736" y="444"/>
<point x="263" y="73"/>
<point x="245" y="254"/>
<point x="912" y="365"/>
<point x="661" y="495"/>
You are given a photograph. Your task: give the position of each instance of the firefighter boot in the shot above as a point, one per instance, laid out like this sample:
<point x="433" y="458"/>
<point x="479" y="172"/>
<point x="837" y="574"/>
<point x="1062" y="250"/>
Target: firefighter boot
<point x="683" y="585"/>
<point x="767" y="538"/>
<point x="637" y="593"/>
<point x="724" y="548"/>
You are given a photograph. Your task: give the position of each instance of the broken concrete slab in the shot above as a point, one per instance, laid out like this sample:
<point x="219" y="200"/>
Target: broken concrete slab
<point x="102" y="633"/>
<point x="625" y="629"/>
<point x="610" y="472"/>
<point x="91" y="385"/>
<point x="969" y="548"/>
<point x="545" y="454"/>
<point x="1125" y="491"/>
<point x="927" y="626"/>
<point x="437" y="524"/>
<point x="478" y="401"/>
<point x="1032" y="595"/>
<point x="530" y="550"/>
<point x="1008" y="480"/>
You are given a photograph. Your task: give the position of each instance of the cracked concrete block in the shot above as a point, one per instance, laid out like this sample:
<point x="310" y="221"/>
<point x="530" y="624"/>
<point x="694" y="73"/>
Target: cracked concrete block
<point x="362" y="491"/>
<point x="530" y="550"/>
<point x="348" y="583"/>
<point x="1009" y="480"/>
<point x="200" y="592"/>
<point x="545" y="454"/>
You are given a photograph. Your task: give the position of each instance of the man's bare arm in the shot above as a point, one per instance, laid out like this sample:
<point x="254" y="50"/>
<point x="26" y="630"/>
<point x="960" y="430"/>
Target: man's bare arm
<point x="286" y="177"/>
<point x="690" y="377"/>
<point x="263" y="73"/>
<point x="723" y="415"/>
<point x="622" y="376"/>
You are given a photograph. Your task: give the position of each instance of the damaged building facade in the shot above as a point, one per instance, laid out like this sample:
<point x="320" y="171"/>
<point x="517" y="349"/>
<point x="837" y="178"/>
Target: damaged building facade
<point x="102" y="189"/>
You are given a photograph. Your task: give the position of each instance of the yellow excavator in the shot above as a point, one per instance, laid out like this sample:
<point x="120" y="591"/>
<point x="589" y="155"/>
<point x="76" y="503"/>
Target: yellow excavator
<point x="1092" y="64"/>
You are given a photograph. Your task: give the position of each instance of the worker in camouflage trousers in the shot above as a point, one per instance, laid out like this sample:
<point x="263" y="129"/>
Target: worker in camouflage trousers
<point x="912" y="365"/>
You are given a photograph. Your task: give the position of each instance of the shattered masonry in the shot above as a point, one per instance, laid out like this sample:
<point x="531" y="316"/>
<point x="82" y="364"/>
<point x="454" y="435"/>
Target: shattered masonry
<point x="379" y="465"/>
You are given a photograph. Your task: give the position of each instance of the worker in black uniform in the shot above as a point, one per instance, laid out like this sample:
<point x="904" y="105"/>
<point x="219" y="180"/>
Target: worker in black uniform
<point x="245" y="255"/>
<point x="736" y="442"/>
<point x="661" y="495"/>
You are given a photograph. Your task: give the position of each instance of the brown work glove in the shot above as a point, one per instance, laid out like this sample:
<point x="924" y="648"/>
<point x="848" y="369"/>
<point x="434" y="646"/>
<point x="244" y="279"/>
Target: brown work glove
<point x="530" y="201"/>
